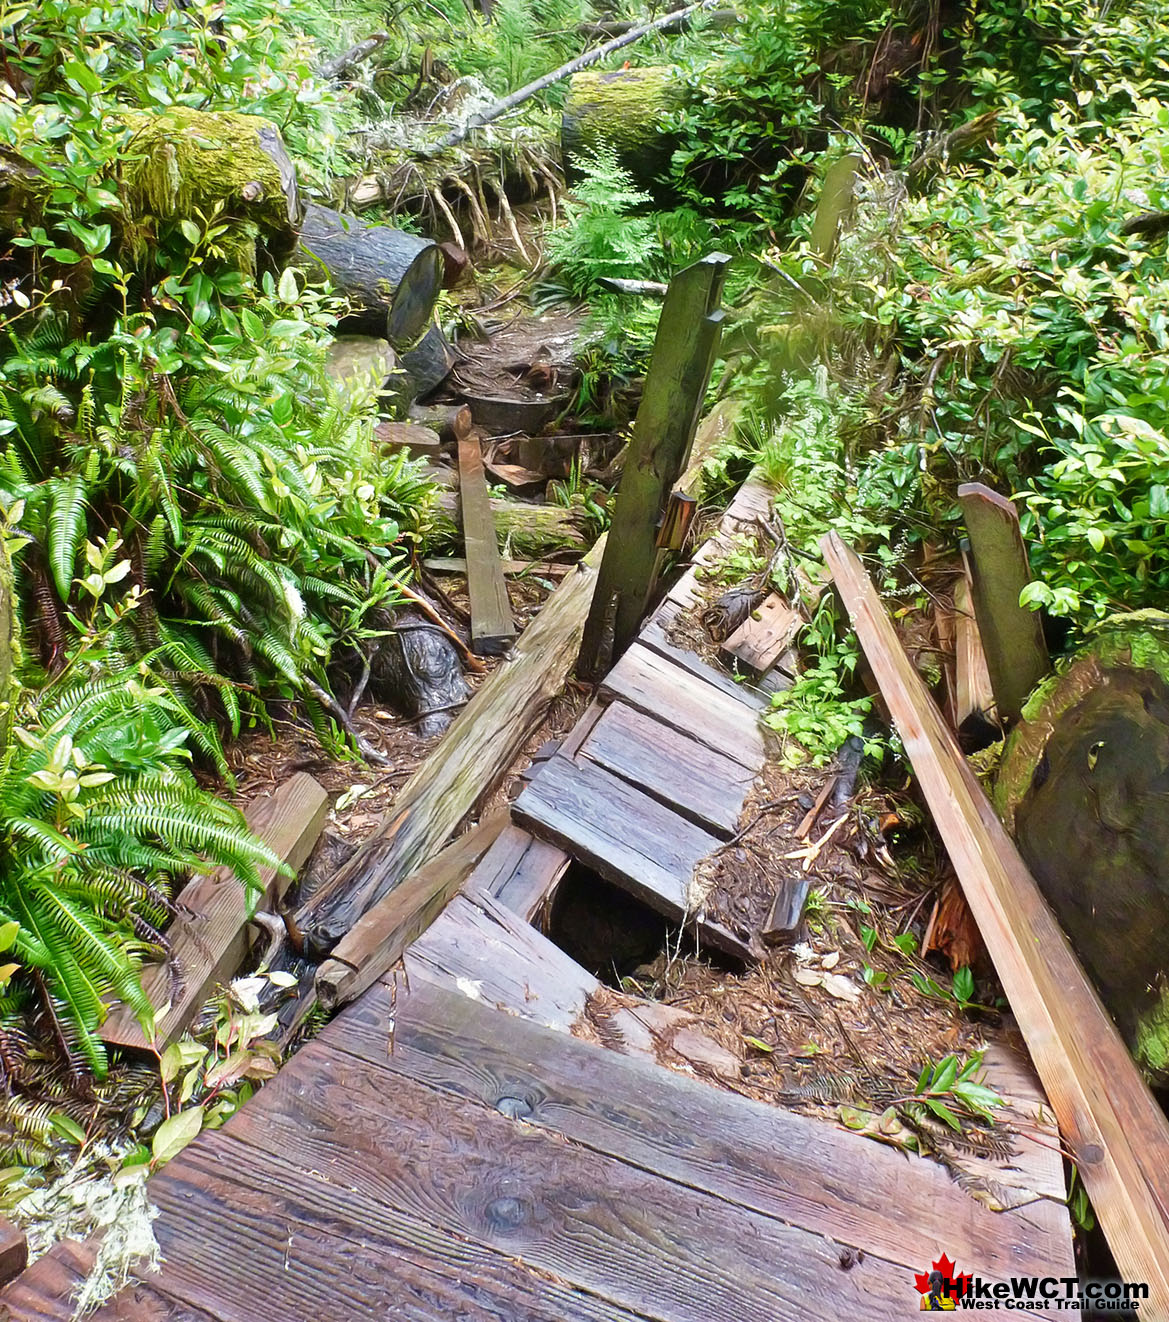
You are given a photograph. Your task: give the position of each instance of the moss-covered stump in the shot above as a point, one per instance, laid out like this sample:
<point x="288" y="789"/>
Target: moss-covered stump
<point x="622" y="109"/>
<point x="1084" y="789"/>
<point x="185" y="159"/>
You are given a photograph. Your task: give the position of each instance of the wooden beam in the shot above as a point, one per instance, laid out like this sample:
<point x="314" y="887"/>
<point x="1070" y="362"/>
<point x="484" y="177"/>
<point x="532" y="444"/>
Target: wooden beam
<point x="684" y="348"/>
<point x="835" y="201"/>
<point x="478" y="748"/>
<point x="211" y="945"/>
<point x="973" y="694"/>
<point x="376" y="941"/>
<point x="764" y="635"/>
<point x="492" y="625"/>
<point x="1012" y="635"/>
<point x="1115" y="1131"/>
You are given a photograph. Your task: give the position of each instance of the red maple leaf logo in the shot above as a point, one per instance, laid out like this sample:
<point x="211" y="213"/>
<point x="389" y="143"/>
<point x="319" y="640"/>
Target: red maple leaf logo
<point x="959" y="1284"/>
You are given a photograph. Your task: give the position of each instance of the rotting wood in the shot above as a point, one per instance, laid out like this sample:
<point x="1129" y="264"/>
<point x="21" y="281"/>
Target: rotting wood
<point x="212" y="944"/>
<point x="419" y="442"/>
<point x="704" y="786"/>
<point x="520" y="528"/>
<point x="787" y="911"/>
<point x="1012" y="635"/>
<point x="682" y="699"/>
<point x="356" y="54"/>
<point x="1116" y="1133"/>
<point x="628" y="838"/>
<point x="973" y="694"/>
<point x="378" y="938"/>
<point x="798" y="1169"/>
<point x="684" y="347"/>
<point x="519" y="871"/>
<point x="764" y="635"/>
<point x="492" y="624"/>
<point x="13" y="1250"/>
<point x="480" y="745"/>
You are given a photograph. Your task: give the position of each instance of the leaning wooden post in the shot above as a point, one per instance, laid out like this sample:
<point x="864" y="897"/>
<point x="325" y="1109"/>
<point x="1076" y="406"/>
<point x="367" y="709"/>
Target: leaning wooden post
<point x="1012" y="635"/>
<point x="684" y="351"/>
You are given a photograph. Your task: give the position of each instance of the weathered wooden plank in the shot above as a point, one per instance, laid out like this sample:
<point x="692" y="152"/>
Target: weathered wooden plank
<point x="973" y="693"/>
<point x="627" y="837"/>
<point x="807" y="1172"/>
<point x="521" y="873"/>
<point x="481" y="743"/>
<point x="378" y="938"/>
<point x="299" y="1245"/>
<point x="765" y="635"/>
<point x="212" y="944"/>
<point x="655" y="636"/>
<point x="489" y="954"/>
<point x="47" y="1290"/>
<point x="652" y="1246"/>
<point x="1116" y="1132"/>
<point x="492" y="624"/>
<point x="701" y="785"/>
<point x="684" y="348"/>
<point x="654" y="685"/>
<point x="1012" y="635"/>
<point x="13" y="1250"/>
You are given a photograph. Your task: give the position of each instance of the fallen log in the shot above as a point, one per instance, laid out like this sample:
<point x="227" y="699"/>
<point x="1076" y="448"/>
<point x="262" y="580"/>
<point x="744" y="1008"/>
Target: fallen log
<point x="375" y="943"/>
<point x="1115" y="1131"/>
<point x="210" y="945"/>
<point x="342" y="63"/>
<point x="523" y="530"/>
<point x="621" y="109"/>
<point x="477" y="750"/>
<point x="1081" y="787"/>
<point x="392" y="279"/>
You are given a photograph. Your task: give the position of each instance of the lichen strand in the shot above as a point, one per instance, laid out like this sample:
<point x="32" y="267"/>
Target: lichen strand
<point x="186" y="161"/>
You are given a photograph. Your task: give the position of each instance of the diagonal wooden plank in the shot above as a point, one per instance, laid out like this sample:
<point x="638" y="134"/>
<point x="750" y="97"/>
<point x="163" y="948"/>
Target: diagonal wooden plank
<point x="492" y="625"/>
<point x="250" y="1235"/>
<point x="807" y="1172"/>
<point x="655" y="685"/>
<point x="1117" y="1134"/>
<point x="705" y="787"/>
<point x="211" y="944"/>
<point x="651" y="1246"/>
<point x="519" y="871"/>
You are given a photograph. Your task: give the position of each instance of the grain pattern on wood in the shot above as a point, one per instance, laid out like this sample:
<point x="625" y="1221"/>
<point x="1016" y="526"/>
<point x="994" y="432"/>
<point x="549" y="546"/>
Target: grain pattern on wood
<point x="684" y="348"/>
<point x="301" y="1247"/>
<point x="492" y="624"/>
<point x="212" y="944"/>
<point x="650" y="1245"/>
<point x="480" y="745"/>
<point x="47" y="1290"/>
<point x="627" y="837"/>
<point x="1116" y="1132"/>
<point x="807" y="1172"/>
<point x="973" y="694"/>
<point x="378" y="938"/>
<point x="1012" y="635"/>
<point x="656" y="636"/>
<point x="520" y="872"/>
<point x="765" y="635"/>
<point x="654" y="685"/>
<point x="692" y="780"/>
<point x="13" y="1250"/>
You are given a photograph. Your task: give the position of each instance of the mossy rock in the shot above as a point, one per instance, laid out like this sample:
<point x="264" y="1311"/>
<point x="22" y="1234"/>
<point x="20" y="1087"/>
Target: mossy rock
<point x="185" y="160"/>
<point x="622" y="109"/>
<point x="1083" y="787"/>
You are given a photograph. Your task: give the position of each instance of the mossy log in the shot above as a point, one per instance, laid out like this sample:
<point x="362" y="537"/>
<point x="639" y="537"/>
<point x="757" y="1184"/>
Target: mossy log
<point x="392" y="279"/>
<point x="522" y="529"/>
<point x="622" y="109"/>
<point x="1082" y="787"/>
<point x="186" y="160"/>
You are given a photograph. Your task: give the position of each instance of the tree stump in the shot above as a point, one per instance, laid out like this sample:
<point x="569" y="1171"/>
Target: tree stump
<point x="1083" y="787"/>
<point x="622" y="109"/>
<point x="392" y="279"/>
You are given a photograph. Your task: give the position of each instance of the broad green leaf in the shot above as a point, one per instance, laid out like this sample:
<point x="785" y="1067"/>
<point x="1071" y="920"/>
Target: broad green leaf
<point x="173" y="1135"/>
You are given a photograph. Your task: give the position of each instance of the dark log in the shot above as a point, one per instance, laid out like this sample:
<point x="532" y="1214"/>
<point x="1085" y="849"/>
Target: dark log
<point x="622" y="109"/>
<point x="391" y="278"/>
<point x="354" y="55"/>
<point x="1082" y="787"/>
<point x="428" y="363"/>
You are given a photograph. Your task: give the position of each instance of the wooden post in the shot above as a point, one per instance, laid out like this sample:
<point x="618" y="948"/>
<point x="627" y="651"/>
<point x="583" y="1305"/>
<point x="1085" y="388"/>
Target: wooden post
<point x="684" y="350"/>
<point x="492" y="625"/>
<point x="1012" y="635"/>
<point x="835" y="199"/>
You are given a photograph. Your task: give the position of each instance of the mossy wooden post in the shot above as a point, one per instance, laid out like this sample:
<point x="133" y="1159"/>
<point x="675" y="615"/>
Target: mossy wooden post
<point x="1012" y="635"/>
<point x="835" y="200"/>
<point x="684" y="349"/>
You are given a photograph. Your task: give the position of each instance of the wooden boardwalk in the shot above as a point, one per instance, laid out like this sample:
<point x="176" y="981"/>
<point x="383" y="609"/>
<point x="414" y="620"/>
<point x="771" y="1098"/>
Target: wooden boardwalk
<point x="448" y="1149"/>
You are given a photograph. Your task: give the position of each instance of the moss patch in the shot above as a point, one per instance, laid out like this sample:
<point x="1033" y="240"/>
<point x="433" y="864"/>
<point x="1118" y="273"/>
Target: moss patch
<point x="1151" y="1043"/>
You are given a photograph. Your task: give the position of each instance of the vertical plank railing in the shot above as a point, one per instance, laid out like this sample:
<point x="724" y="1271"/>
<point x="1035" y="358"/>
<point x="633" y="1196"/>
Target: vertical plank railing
<point x="684" y="350"/>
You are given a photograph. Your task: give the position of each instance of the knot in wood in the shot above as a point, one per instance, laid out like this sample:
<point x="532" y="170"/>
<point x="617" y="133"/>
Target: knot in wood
<point x="508" y="1214"/>
<point x="515" y="1108"/>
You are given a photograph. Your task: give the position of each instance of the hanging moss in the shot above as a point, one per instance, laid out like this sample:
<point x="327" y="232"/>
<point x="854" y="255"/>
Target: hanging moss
<point x="187" y="161"/>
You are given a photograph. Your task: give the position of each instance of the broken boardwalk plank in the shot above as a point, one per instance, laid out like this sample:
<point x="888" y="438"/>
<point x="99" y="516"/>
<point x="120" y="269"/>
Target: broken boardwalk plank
<point x="492" y="625"/>
<point x="764" y="635"/>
